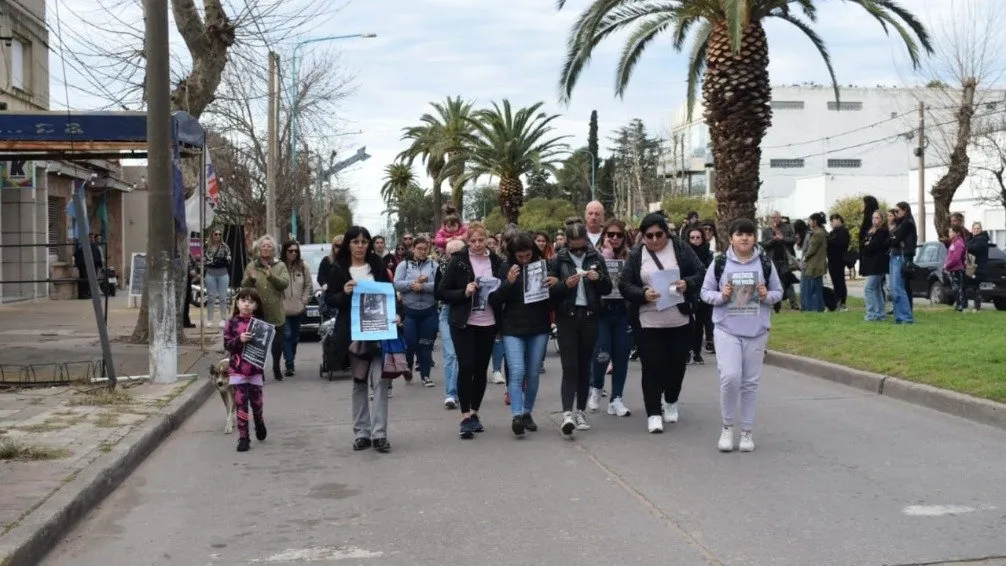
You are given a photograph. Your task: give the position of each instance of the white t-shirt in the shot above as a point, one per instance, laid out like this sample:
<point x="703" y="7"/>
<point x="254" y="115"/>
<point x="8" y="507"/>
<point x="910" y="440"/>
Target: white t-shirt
<point x="361" y="273"/>
<point x="594" y="238"/>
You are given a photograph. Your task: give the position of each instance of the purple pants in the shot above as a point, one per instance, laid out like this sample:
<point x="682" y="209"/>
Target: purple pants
<point x="245" y="394"/>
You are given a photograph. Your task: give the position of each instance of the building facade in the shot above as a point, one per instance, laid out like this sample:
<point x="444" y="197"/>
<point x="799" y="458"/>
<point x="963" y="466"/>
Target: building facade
<point x="816" y="147"/>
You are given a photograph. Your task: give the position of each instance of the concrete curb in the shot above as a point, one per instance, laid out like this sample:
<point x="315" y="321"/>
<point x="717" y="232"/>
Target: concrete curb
<point x="46" y="526"/>
<point x="950" y="402"/>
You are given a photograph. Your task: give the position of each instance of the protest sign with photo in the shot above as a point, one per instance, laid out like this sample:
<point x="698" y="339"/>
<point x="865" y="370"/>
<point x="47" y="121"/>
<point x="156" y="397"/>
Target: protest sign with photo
<point x="534" y="282"/>
<point x="744" y="298"/>
<point x="256" y="349"/>
<point x="487" y="284"/>
<point x="372" y="313"/>
<point x="614" y="271"/>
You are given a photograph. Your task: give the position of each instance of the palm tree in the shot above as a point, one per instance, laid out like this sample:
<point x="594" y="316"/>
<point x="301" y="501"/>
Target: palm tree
<point x="452" y="117"/>
<point x="729" y="52"/>
<point x="425" y="145"/>
<point x="508" y="144"/>
<point x="398" y="178"/>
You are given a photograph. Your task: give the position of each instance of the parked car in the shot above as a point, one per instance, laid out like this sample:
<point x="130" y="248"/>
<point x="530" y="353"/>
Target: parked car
<point x="312" y="255"/>
<point x="927" y="279"/>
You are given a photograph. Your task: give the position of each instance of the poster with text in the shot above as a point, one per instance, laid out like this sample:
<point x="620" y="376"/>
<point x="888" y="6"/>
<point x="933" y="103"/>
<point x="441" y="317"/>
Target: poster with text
<point x="663" y="282"/>
<point x="535" y="290"/>
<point x="372" y="313"/>
<point x="256" y="349"/>
<point x="487" y="284"/>
<point x="614" y="271"/>
<point x="744" y="298"/>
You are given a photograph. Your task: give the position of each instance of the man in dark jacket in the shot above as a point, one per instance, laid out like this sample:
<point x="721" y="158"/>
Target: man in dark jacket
<point x="838" y="244"/>
<point x="777" y="240"/>
<point x="978" y="246"/>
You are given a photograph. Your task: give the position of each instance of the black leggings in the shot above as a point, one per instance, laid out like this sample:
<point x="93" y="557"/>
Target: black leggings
<point x="663" y="353"/>
<point x="577" y="337"/>
<point x="473" y="346"/>
<point x="702" y="325"/>
<point x="277" y="348"/>
<point x="836" y="269"/>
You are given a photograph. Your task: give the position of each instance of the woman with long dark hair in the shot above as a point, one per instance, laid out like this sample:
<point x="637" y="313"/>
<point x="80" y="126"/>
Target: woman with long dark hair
<point x="702" y="320"/>
<point x="904" y="239"/>
<point x="613" y="335"/>
<point x="295" y="299"/>
<point x="468" y="285"/>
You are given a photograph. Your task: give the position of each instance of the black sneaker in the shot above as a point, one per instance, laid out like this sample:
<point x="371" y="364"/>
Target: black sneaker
<point x="427" y="381"/>
<point x="710" y="347"/>
<point x="382" y="445"/>
<point x="634" y="354"/>
<point x="244" y="444"/>
<point x="361" y="444"/>
<point x="467" y="432"/>
<point x="277" y="374"/>
<point x="517" y="425"/>
<point x="477" y="424"/>
<point x="697" y="359"/>
<point x="288" y="372"/>
<point x="529" y="423"/>
<point x="260" y="432"/>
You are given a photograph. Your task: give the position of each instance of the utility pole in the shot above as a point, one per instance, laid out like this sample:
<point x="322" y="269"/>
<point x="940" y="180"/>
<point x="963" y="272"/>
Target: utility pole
<point x="273" y="148"/>
<point x="161" y="297"/>
<point x="920" y="152"/>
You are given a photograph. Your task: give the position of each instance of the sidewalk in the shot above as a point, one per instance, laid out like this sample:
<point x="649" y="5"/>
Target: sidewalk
<point x="62" y="448"/>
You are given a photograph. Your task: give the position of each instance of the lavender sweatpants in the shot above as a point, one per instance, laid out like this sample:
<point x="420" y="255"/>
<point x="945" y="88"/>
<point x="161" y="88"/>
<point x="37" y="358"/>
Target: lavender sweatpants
<point x="739" y="361"/>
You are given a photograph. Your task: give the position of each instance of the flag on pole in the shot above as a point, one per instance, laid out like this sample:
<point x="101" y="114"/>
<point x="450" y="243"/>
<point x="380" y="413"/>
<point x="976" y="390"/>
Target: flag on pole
<point x="212" y="184"/>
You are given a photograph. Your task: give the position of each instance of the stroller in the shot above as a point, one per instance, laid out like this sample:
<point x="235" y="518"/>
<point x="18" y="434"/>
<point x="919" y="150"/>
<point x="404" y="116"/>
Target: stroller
<point x="334" y="334"/>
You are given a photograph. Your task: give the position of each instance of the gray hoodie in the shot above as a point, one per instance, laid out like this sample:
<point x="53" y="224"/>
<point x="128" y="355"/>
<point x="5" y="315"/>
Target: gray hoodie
<point x="407" y="272"/>
<point x="738" y="320"/>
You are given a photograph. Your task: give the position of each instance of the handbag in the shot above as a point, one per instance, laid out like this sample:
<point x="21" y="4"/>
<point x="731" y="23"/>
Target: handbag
<point x="686" y="308"/>
<point x="394" y="364"/>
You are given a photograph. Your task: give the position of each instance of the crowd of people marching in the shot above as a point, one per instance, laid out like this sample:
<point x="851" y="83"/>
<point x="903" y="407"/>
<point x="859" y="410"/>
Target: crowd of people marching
<point x="603" y="291"/>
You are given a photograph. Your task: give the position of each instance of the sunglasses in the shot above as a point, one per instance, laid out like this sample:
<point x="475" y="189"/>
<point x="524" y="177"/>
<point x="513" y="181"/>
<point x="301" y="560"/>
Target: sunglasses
<point x="292" y="251"/>
<point x="578" y="250"/>
<point x="653" y="235"/>
<point x="615" y="235"/>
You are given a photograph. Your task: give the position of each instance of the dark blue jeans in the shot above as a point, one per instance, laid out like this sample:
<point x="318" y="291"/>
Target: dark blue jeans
<point x="291" y="336"/>
<point x="613" y="345"/>
<point x="812" y="294"/>
<point x="420" y="331"/>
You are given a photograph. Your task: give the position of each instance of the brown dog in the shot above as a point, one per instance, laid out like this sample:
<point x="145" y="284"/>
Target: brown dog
<point x="221" y="377"/>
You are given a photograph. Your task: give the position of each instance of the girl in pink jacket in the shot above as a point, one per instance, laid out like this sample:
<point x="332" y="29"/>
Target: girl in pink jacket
<point x="955" y="264"/>
<point x="450" y="227"/>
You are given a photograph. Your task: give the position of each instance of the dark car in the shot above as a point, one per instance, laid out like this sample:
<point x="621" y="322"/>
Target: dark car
<point x="312" y="255"/>
<point x="927" y="278"/>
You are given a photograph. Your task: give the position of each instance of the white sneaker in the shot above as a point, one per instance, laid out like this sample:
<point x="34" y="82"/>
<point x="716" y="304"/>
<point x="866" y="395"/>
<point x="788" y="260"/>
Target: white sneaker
<point x="223" y="323"/>
<point x="594" y="399"/>
<point x="726" y="443"/>
<point x="450" y="403"/>
<point x="747" y="442"/>
<point x="670" y="411"/>
<point x="568" y="424"/>
<point x="617" y="407"/>
<point x="654" y="424"/>
<point x="580" y="418"/>
<point x="498" y="378"/>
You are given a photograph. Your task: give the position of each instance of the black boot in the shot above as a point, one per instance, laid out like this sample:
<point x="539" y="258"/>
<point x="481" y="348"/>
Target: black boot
<point x="276" y="373"/>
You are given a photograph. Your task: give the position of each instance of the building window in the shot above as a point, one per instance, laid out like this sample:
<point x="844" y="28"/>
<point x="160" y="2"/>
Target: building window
<point x="787" y="104"/>
<point x="845" y="163"/>
<point x="845" y="105"/>
<point x="785" y="163"/>
<point x="18" y="73"/>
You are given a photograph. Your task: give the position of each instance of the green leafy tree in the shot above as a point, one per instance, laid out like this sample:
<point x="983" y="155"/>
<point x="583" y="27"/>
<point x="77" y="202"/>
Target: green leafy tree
<point x="481" y="200"/>
<point x="425" y="144"/>
<point x="508" y="144"/>
<point x="413" y="210"/>
<point x="340" y="219"/>
<point x="851" y="209"/>
<point x="398" y="177"/>
<point x="606" y="185"/>
<point x="547" y="215"/>
<point x="539" y="186"/>
<point x="573" y="179"/>
<point x="592" y="145"/>
<point x="637" y="154"/>
<point x="677" y="207"/>
<point x="728" y="56"/>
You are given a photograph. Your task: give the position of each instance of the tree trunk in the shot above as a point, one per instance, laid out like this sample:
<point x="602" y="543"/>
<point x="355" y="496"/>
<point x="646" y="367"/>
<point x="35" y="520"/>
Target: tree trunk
<point x="957" y="169"/>
<point x="207" y="43"/>
<point x="736" y="92"/>
<point x="511" y="199"/>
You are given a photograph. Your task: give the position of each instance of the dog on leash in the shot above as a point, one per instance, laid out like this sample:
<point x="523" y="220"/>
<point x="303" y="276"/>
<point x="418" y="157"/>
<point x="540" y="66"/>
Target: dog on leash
<point x="221" y="377"/>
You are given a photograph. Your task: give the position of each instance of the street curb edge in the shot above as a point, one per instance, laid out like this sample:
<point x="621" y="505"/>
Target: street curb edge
<point x="953" y="403"/>
<point x="46" y="526"/>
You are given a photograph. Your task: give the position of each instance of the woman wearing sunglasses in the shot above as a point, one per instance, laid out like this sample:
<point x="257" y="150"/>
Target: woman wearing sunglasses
<point x="295" y="299"/>
<point x="613" y="338"/>
<point x="665" y="334"/>
<point x="218" y="278"/>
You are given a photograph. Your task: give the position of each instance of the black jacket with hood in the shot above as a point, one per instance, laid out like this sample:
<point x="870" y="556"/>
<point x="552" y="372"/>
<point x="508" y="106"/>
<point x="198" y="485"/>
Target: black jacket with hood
<point x="563" y="267"/>
<point x="457" y="276"/>
<point x="518" y="318"/>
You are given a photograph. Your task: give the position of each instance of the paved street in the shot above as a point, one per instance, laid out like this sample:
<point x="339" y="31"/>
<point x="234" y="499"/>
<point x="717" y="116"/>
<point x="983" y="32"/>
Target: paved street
<point x="839" y="477"/>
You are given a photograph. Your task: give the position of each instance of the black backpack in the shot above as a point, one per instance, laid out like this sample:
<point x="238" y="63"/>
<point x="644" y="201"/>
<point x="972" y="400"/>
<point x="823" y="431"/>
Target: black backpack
<point x="720" y="263"/>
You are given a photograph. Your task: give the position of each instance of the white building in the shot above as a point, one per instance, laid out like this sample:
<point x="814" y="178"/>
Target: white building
<point x="818" y="150"/>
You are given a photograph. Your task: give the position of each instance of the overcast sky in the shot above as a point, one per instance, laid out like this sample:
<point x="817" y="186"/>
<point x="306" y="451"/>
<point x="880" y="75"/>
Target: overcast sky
<point x="488" y="50"/>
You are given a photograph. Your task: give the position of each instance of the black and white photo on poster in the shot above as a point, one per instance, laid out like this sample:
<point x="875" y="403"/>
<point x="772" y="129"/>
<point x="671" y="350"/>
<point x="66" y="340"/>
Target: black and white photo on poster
<point x="373" y="312"/>
<point x="744" y="297"/>
<point x="486" y="284"/>
<point x="534" y="282"/>
<point x="614" y="271"/>
<point x="256" y="349"/>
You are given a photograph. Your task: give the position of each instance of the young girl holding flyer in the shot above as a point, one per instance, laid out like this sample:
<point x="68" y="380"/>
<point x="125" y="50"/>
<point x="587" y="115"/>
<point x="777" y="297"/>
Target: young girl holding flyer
<point x="245" y="378"/>
<point x="742" y="287"/>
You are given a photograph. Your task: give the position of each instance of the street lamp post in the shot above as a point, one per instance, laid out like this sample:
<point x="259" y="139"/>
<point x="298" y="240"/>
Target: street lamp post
<point x="293" y="104"/>
<point x="593" y="172"/>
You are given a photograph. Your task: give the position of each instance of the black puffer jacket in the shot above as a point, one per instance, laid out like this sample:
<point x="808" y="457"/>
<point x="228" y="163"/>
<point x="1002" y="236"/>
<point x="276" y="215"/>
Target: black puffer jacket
<point x="978" y="246"/>
<point x="905" y="237"/>
<point x="631" y="281"/>
<point x="516" y="317"/>
<point x="459" y="274"/>
<point x="873" y="258"/>
<point x="563" y="267"/>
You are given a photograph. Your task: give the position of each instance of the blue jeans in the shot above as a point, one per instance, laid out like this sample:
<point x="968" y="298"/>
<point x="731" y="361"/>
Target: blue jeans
<point x="524" y="355"/>
<point x="899" y="295"/>
<point x="874" y="295"/>
<point x="217" y="287"/>
<point x="812" y="294"/>
<point x="613" y="344"/>
<point x="450" y="360"/>
<point x="960" y="291"/>
<point x="420" y="330"/>
<point x="498" y="354"/>
<point x="291" y="336"/>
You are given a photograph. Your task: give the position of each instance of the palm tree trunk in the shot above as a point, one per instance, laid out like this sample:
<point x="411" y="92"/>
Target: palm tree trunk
<point x="511" y="199"/>
<point x="736" y="92"/>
